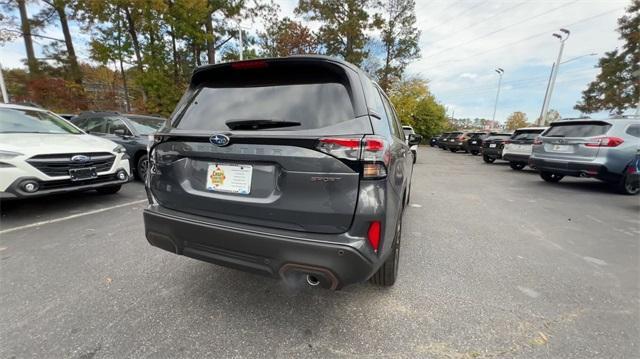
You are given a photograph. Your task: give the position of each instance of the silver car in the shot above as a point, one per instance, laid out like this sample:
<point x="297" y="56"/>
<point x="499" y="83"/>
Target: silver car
<point x="601" y="149"/>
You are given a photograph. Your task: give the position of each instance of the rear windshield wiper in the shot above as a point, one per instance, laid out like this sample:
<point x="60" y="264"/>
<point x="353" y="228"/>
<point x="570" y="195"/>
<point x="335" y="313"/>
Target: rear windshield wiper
<point x="259" y="124"/>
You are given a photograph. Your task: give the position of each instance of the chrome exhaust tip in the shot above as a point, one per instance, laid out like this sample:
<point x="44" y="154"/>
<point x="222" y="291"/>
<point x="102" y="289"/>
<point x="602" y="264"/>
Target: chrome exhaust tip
<point x="312" y="280"/>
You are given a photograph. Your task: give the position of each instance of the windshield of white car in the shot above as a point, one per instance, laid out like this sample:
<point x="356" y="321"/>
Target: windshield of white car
<point x="14" y="120"/>
<point x="146" y="125"/>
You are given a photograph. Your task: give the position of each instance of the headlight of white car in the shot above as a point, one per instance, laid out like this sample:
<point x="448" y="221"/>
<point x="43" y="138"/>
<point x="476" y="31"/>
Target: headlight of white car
<point x="5" y="155"/>
<point x="120" y="149"/>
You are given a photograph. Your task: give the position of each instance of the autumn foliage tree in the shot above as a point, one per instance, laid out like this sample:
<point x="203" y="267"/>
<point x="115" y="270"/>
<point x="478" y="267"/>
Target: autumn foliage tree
<point x="517" y="120"/>
<point x="416" y="106"/>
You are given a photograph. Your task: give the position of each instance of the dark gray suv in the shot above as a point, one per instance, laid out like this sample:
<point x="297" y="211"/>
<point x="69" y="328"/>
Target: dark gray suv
<point x="292" y="167"/>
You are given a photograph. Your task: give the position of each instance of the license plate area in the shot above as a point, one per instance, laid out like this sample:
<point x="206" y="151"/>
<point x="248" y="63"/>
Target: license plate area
<point x="79" y="174"/>
<point x="562" y="148"/>
<point x="492" y="145"/>
<point x="229" y="178"/>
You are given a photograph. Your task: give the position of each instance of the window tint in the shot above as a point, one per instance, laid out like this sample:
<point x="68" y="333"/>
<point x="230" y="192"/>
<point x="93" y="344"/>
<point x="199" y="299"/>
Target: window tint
<point x="33" y="121"/>
<point x="634" y="130"/>
<point x="114" y="124"/>
<point x="578" y="129"/>
<point x="94" y="125"/>
<point x="145" y="125"/>
<point x="391" y="119"/>
<point x="526" y="135"/>
<point x="311" y="105"/>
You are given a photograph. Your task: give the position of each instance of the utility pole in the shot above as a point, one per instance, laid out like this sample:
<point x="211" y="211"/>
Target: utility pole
<point x="241" y="44"/>
<point x="495" y="106"/>
<point x="3" y="87"/>
<point x="546" y="95"/>
<point x="562" y="36"/>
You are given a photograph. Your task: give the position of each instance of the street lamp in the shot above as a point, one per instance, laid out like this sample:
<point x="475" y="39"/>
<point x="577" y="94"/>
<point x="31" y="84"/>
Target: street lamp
<point x="495" y="106"/>
<point x="3" y="88"/>
<point x="563" y="35"/>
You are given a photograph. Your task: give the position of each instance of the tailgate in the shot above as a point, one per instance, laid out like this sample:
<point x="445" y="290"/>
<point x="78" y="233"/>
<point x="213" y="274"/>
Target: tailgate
<point x="280" y="186"/>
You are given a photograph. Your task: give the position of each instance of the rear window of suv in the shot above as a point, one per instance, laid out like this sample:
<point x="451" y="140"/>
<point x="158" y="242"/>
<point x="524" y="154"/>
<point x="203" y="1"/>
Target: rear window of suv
<point x="526" y="135"/>
<point x="588" y="129"/>
<point x="268" y="99"/>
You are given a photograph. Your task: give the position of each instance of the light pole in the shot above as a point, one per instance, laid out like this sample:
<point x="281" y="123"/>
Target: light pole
<point x="495" y="106"/>
<point x="562" y="36"/>
<point x="3" y="88"/>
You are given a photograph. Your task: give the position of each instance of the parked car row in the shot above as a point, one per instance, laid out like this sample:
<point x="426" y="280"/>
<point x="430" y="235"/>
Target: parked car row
<point x="42" y="153"/>
<point x="607" y="150"/>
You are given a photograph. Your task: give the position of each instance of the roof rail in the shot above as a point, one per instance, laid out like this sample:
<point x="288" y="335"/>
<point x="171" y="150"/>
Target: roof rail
<point x="575" y="118"/>
<point x="624" y="116"/>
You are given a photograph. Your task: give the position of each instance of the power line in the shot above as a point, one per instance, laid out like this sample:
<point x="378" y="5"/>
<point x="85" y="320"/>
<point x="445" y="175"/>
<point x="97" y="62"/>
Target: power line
<point x="454" y="16"/>
<point x="485" y="19"/>
<point x="522" y="86"/>
<point x="504" y="28"/>
<point x="473" y="56"/>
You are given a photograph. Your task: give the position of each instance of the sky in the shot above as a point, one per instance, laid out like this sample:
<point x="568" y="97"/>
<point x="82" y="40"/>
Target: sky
<point x="463" y="41"/>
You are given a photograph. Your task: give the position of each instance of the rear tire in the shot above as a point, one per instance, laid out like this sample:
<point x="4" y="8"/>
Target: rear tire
<point x="551" y="177"/>
<point x="453" y="150"/>
<point x="518" y="166"/>
<point x="388" y="273"/>
<point x="109" y="190"/>
<point x="626" y="186"/>
<point x="475" y="153"/>
<point x="142" y="168"/>
<point x="488" y="159"/>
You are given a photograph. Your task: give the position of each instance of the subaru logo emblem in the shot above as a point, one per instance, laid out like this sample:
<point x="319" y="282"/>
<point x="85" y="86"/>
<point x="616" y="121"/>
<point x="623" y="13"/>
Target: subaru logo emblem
<point x="219" y="140"/>
<point x="80" y="159"/>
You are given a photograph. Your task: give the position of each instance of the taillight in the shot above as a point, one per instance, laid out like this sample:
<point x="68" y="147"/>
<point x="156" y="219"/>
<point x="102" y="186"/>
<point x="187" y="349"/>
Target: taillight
<point x="372" y="151"/>
<point x="373" y="235"/>
<point x="604" y="141"/>
<point x="345" y="148"/>
<point x="537" y="141"/>
<point x="251" y="64"/>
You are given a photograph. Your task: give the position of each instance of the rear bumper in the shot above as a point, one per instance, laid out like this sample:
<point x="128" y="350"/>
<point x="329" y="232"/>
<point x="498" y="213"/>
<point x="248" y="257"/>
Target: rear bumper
<point x="456" y="146"/>
<point x="492" y="152"/>
<point x="274" y="253"/>
<point x="513" y="157"/>
<point x="575" y="169"/>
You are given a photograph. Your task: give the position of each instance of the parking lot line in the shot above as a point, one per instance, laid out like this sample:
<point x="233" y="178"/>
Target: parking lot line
<point x="41" y="223"/>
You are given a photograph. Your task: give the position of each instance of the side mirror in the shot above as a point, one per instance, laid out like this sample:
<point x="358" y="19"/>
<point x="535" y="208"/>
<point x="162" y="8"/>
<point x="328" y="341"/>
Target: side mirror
<point x="119" y="132"/>
<point x="414" y="139"/>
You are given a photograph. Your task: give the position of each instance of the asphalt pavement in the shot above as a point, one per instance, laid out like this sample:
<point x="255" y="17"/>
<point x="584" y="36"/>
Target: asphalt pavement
<point x="494" y="264"/>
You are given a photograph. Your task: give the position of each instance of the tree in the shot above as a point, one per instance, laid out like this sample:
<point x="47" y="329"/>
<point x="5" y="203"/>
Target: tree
<point x="344" y="23"/>
<point x="399" y="36"/>
<point x="59" y="7"/>
<point x="25" y="26"/>
<point x="516" y="120"/>
<point x="287" y="37"/>
<point x="552" y="115"/>
<point x="616" y="88"/>
<point x="416" y="106"/>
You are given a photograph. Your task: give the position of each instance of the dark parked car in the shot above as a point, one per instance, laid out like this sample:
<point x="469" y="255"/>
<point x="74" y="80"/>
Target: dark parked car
<point x="433" y="142"/>
<point x="492" y="147"/>
<point x="449" y="139"/>
<point x="459" y="142"/>
<point x="442" y="140"/>
<point x="601" y="149"/>
<point x="473" y="144"/>
<point x="129" y="130"/>
<point x="291" y="167"/>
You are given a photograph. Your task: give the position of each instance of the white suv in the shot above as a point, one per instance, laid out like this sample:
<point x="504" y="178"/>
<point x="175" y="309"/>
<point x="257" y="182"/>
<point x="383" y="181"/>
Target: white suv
<point x="518" y="148"/>
<point x="41" y="153"/>
<point x="408" y="130"/>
